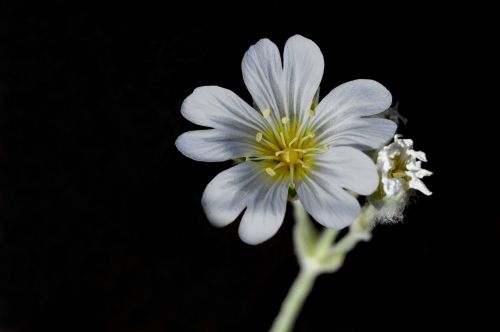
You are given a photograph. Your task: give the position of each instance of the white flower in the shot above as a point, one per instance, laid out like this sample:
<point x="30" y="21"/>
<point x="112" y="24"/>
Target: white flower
<point x="289" y="142"/>
<point x="400" y="168"/>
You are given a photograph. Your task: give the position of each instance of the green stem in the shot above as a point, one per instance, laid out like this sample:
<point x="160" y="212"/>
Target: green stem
<point x="317" y="254"/>
<point x="358" y="231"/>
<point x="326" y="239"/>
<point x="294" y="300"/>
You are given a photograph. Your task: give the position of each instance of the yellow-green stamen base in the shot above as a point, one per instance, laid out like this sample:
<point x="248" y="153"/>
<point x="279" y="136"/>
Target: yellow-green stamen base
<point x="286" y="148"/>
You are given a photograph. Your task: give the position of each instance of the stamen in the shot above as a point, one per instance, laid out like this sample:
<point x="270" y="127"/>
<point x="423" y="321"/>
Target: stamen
<point x="279" y="152"/>
<point x="303" y="164"/>
<point x="309" y="135"/>
<point x="272" y="145"/>
<point x="283" y="139"/>
<point x="293" y="140"/>
<point x="287" y="156"/>
<point x="281" y="146"/>
<point x="271" y="121"/>
<point x="280" y="164"/>
<point x="322" y="149"/>
<point x="311" y="112"/>
<point x="266" y="112"/>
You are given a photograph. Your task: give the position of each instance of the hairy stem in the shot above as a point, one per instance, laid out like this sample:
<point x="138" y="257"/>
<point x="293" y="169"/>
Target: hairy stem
<point x="294" y="301"/>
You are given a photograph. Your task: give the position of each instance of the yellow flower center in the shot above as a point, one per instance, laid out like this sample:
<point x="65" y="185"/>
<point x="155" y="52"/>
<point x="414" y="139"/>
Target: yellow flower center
<point x="290" y="156"/>
<point x="286" y="149"/>
<point x="399" y="169"/>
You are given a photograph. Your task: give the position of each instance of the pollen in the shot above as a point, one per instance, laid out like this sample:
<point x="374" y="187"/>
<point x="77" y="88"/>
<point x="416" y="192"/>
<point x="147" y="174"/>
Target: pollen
<point x="258" y="137"/>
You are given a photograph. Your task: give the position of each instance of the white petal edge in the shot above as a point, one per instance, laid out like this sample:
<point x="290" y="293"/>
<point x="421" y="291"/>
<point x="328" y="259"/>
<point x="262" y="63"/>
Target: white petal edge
<point x="263" y="76"/>
<point x="219" y="108"/>
<point x="356" y="98"/>
<point x="303" y="67"/>
<point x="363" y="133"/>
<point x="348" y="168"/>
<point x="212" y="145"/>
<point x="229" y="193"/>
<point x="327" y="203"/>
<point x="265" y="213"/>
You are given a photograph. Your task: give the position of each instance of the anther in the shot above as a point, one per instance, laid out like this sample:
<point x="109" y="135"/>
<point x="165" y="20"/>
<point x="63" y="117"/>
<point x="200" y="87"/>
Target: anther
<point x="285" y="120"/>
<point x="311" y="112"/>
<point x="270" y="171"/>
<point x="266" y="112"/>
<point x="324" y="148"/>
<point x="258" y="137"/>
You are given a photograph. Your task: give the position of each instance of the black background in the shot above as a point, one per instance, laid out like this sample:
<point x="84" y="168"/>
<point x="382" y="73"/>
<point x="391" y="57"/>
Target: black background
<point x="101" y="227"/>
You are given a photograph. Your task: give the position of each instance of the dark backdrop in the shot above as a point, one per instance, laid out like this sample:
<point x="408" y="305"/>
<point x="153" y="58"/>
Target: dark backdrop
<point x="101" y="227"/>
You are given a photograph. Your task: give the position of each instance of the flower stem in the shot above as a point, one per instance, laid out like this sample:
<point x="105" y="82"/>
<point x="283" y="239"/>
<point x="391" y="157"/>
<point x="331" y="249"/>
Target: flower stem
<point x="317" y="254"/>
<point x="294" y="300"/>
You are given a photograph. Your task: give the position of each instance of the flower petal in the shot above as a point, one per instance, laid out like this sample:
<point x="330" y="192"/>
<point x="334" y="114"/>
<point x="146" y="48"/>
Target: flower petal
<point x="213" y="145"/>
<point x="228" y="193"/>
<point x="351" y="101"/>
<point x="363" y="133"/>
<point x="219" y="108"/>
<point x="422" y="173"/>
<point x="392" y="186"/>
<point x="327" y="203"/>
<point x="265" y="212"/>
<point x="303" y="66"/>
<point x="263" y="75"/>
<point x="354" y="99"/>
<point x="417" y="184"/>
<point x="348" y="168"/>
<point x="417" y="154"/>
